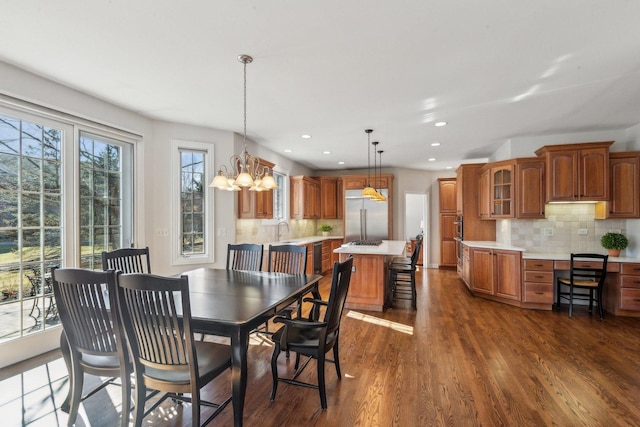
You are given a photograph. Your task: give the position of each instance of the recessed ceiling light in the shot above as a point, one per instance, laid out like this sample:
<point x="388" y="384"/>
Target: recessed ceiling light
<point x="305" y="136"/>
<point x="435" y="144"/>
<point x="438" y="124"/>
<point x="287" y="151"/>
<point x="326" y="152"/>
<point x="449" y="167"/>
<point x="341" y="163"/>
<point x="432" y="159"/>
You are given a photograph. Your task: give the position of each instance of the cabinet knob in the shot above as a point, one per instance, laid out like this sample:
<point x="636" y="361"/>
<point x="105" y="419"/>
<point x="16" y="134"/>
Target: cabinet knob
<point x="539" y="293"/>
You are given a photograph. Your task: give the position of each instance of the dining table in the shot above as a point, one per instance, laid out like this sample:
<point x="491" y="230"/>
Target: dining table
<point x="233" y="303"/>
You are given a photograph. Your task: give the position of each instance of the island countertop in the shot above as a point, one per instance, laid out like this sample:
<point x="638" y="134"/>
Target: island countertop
<point x="387" y="247"/>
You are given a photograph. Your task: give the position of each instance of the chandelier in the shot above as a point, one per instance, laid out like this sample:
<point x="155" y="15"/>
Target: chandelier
<point x="244" y="170"/>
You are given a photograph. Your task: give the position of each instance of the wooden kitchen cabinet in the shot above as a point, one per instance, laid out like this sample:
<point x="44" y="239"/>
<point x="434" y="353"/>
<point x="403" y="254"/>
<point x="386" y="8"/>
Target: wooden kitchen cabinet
<point x="538" y="284"/>
<point x="496" y="274"/>
<point x="577" y="171"/>
<point x="328" y="197"/>
<point x="484" y="194"/>
<point x="326" y="255"/>
<point x="621" y="293"/>
<point x="256" y="204"/>
<point x="624" y="187"/>
<point x="305" y="197"/>
<point x="335" y="244"/>
<point x="530" y="188"/>
<point x="447" y="195"/>
<point x="467" y="204"/>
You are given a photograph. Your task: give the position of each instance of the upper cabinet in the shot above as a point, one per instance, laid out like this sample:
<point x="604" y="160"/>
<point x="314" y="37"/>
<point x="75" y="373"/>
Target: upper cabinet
<point x="256" y="204"/>
<point x="467" y="205"/>
<point x="305" y="197"/>
<point x="330" y="197"/>
<point x="530" y="189"/>
<point x="447" y="196"/>
<point x="512" y="189"/>
<point x="624" y="187"/>
<point x="577" y="172"/>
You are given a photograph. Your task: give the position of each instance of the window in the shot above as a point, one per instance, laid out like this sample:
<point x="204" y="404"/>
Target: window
<point x="192" y="208"/>
<point x="280" y="196"/>
<point x="43" y="160"/>
<point x="103" y="221"/>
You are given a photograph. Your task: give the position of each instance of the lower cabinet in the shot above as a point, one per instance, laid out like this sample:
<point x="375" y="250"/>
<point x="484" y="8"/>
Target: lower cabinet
<point x="622" y="291"/>
<point x="496" y="273"/>
<point x="538" y="285"/>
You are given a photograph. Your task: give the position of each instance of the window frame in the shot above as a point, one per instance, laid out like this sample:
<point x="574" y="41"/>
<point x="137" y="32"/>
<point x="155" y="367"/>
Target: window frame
<point x="177" y="258"/>
<point x="285" y="198"/>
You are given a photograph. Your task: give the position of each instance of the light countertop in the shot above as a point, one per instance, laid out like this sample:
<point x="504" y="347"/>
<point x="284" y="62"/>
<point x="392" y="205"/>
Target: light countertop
<point x="303" y="240"/>
<point x="388" y="247"/>
<point x="537" y="255"/>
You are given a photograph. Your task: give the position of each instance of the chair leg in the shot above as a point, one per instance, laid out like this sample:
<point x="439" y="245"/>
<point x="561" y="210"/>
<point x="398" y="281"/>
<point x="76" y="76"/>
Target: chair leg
<point x="590" y="301"/>
<point x="570" y="300"/>
<point x="414" y="295"/>
<point x="336" y="359"/>
<point x="126" y="396"/>
<point x="600" y="307"/>
<point x="297" y="362"/>
<point x="195" y="405"/>
<point x="75" y="384"/>
<point x="321" y="389"/>
<point x="274" y="371"/>
<point x="139" y="400"/>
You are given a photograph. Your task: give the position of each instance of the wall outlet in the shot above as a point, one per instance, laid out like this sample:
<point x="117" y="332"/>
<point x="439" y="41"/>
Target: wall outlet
<point x="162" y="232"/>
<point x="547" y="232"/>
<point x="583" y="231"/>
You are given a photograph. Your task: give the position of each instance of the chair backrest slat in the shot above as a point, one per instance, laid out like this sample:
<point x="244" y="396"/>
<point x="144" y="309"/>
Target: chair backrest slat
<point x="290" y="259"/>
<point x="589" y="267"/>
<point x="127" y="260"/>
<point x="244" y="256"/>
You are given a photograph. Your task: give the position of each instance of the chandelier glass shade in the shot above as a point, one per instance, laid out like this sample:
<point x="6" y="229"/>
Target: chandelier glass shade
<point x="244" y="169"/>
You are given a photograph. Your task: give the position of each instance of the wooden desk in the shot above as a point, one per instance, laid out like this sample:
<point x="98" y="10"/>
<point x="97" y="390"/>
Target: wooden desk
<point x="233" y="303"/>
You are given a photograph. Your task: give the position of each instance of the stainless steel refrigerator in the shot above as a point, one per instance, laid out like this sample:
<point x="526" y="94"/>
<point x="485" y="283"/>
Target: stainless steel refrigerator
<point x="364" y="218"/>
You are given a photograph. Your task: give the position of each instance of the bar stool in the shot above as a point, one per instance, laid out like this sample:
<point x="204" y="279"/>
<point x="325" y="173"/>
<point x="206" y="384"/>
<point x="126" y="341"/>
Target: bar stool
<point x="402" y="278"/>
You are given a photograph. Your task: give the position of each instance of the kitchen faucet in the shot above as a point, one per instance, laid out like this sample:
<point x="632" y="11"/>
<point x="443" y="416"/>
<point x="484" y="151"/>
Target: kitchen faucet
<point x="278" y="233"/>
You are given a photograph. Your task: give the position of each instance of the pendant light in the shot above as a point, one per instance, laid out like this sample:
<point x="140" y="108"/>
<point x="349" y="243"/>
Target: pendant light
<point x="245" y="170"/>
<point x="381" y="197"/>
<point x="369" y="191"/>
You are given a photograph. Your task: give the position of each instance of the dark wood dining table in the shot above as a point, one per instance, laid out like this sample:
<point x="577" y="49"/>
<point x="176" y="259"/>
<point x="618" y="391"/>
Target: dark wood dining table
<point x="234" y="303"/>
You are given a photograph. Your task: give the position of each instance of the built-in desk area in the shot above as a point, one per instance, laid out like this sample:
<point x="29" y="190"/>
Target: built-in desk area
<point x="537" y="273"/>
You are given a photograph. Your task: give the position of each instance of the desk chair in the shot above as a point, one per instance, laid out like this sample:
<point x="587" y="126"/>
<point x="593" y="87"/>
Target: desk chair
<point x="92" y="334"/>
<point x="165" y="355"/>
<point x="313" y="338"/>
<point x="244" y="256"/>
<point x="588" y="271"/>
<point x="127" y="260"/>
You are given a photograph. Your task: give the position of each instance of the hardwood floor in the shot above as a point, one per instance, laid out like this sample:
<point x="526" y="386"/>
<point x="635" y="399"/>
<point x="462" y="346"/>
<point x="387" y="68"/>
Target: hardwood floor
<point x="456" y="361"/>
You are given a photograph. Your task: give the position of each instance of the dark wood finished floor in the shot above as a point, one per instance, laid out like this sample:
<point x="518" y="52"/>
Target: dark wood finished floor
<point x="457" y="361"/>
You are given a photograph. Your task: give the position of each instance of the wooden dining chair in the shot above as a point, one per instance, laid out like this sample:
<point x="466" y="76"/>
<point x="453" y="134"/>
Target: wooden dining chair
<point x="127" y="260"/>
<point x="587" y="271"/>
<point x="156" y="313"/>
<point x="314" y="338"/>
<point x="92" y="341"/>
<point x="244" y="256"/>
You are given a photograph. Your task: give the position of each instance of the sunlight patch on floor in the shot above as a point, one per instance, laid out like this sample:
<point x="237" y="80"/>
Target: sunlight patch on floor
<point x="405" y="329"/>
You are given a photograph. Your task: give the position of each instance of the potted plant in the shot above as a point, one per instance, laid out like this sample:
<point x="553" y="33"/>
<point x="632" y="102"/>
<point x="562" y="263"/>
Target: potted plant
<point x="326" y="229"/>
<point x="614" y="242"/>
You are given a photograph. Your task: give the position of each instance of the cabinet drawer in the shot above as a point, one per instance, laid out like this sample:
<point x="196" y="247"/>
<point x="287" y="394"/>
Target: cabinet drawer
<point x="538" y="293"/>
<point x="612" y="267"/>
<point x="630" y="299"/>
<point x="630" y="281"/>
<point x="539" y="276"/>
<point x="538" y="264"/>
<point x="629" y="268"/>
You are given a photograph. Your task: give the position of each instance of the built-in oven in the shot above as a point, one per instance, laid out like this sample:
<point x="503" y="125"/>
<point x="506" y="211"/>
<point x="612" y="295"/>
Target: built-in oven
<point x="459" y="237"/>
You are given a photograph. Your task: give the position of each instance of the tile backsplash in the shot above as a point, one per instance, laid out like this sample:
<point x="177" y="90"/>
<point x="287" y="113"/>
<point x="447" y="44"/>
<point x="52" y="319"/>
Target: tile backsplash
<point x="259" y="231"/>
<point x="568" y="227"/>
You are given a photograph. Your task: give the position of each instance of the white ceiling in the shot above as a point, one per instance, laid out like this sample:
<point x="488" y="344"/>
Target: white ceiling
<point x="493" y="69"/>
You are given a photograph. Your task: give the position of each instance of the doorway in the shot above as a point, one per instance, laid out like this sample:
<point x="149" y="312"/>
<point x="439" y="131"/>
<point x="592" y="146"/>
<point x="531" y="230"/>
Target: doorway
<point x="416" y="219"/>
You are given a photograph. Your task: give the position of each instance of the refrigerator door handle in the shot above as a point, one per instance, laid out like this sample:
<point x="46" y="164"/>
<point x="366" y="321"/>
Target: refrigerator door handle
<point x="364" y="224"/>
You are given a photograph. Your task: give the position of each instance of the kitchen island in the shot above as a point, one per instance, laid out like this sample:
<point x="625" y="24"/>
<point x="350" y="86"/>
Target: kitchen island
<point x="369" y="288"/>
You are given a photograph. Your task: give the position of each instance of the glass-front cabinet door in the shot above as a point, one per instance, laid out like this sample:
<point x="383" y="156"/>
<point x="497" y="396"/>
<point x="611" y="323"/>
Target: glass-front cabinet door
<point x="502" y="196"/>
